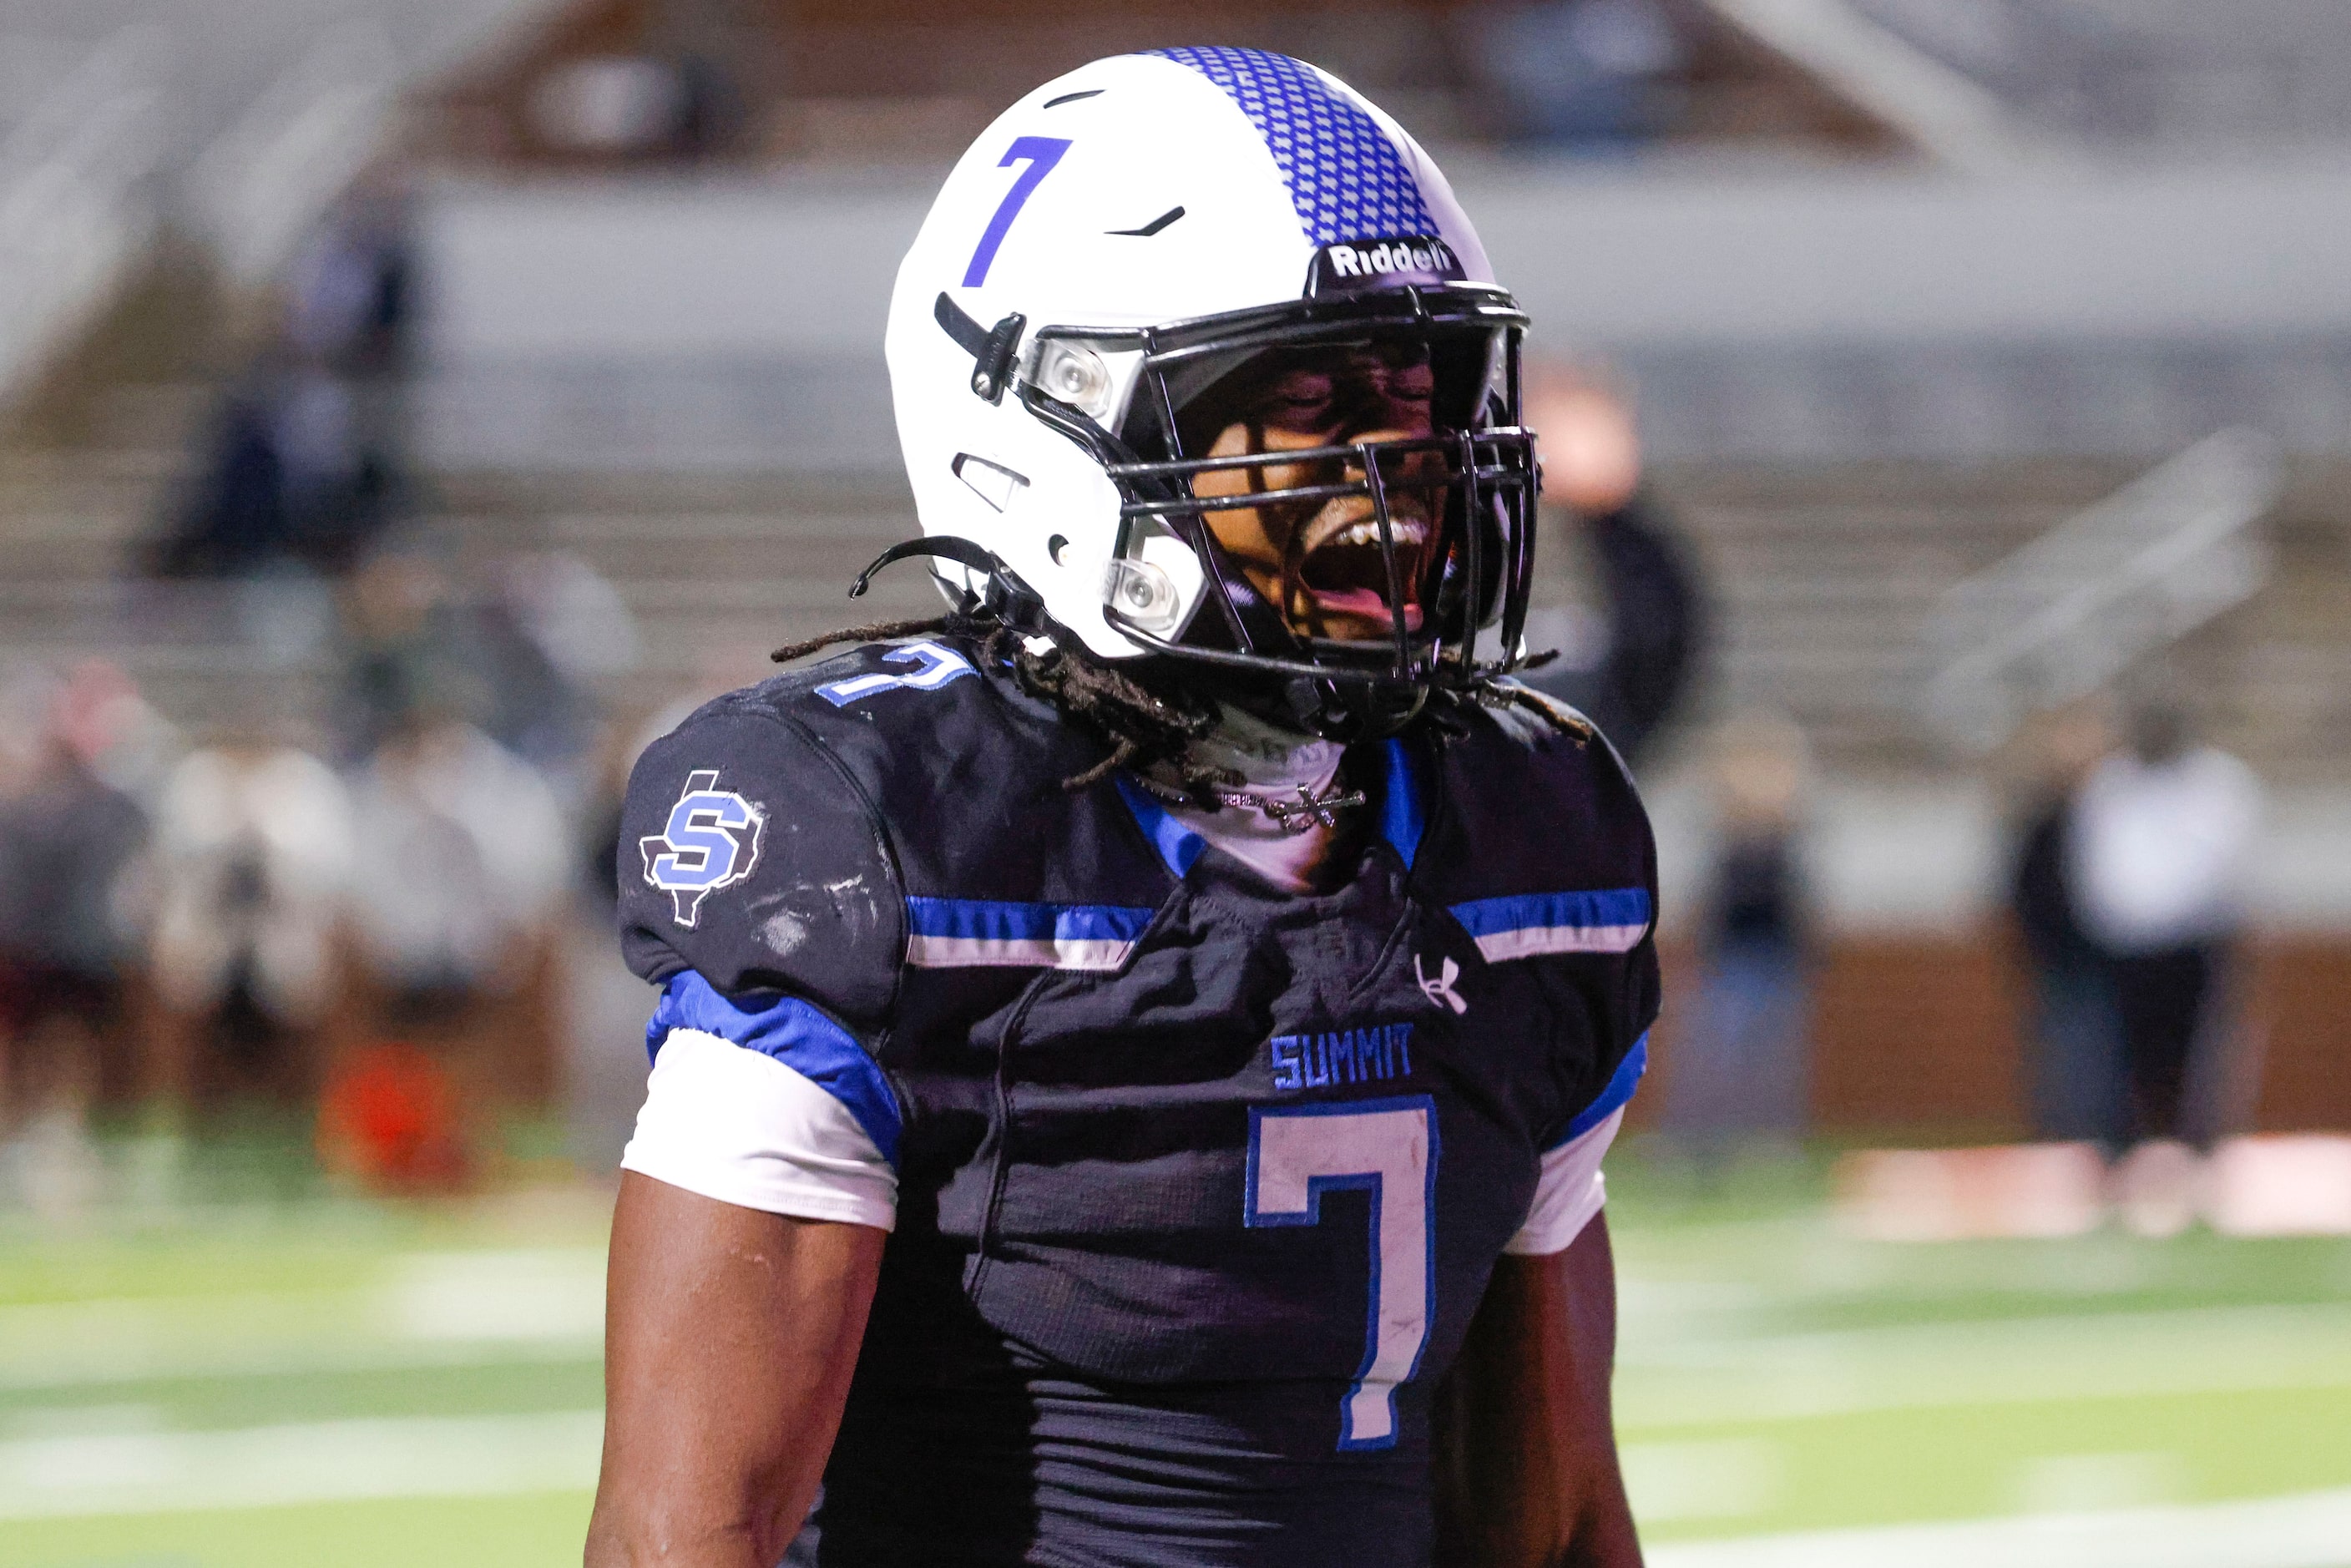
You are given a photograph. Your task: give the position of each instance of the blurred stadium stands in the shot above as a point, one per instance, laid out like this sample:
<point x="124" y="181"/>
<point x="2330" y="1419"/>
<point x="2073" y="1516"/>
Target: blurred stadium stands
<point x="1868" y="363"/>
<point x="236" y="122"/>
<point x="2148" y="75"/>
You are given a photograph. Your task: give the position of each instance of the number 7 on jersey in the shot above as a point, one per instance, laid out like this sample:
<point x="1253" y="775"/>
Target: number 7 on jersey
<point x="1387" y="1148"/>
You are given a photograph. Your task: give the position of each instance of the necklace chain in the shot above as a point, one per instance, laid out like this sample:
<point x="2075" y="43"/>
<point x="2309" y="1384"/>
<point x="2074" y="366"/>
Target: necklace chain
<point x="1298" y="815"/>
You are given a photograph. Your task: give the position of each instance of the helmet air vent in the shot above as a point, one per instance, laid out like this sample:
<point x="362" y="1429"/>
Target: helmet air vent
<point x="991" y="482"/>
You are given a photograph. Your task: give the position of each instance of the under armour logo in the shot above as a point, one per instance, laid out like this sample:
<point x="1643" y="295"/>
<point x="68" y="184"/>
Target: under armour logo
<point x="1438" y="988"/>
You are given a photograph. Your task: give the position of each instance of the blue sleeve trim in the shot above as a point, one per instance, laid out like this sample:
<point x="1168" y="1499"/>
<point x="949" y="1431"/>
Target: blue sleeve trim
<point x="1614" y="1098"/>
<point x="1400" y="818"/>
<point x="1178" y="845"/>
<point x="795" y="1033"/>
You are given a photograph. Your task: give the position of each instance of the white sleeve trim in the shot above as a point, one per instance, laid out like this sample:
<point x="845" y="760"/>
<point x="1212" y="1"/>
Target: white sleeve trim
<point x="740" y="1126"/>
<point x="1569" y="1193"/>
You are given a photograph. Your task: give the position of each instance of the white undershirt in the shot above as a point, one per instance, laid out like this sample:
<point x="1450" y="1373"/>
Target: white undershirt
<point x="734" y="1124"/>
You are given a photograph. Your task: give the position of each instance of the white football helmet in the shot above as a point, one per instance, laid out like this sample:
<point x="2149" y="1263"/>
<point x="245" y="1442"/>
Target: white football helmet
<point x="1122" y="243"/>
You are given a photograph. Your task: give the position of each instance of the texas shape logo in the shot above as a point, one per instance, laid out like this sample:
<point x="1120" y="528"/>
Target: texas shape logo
<point x="712" y="842"/>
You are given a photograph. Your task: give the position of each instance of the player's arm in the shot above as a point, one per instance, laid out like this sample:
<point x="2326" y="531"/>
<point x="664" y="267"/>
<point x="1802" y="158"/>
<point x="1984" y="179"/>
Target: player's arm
<point x="1525" y="1440"/>
<point x="1527" y="1467"/>
<point x="761" y="1181"/>
<point x="730" y="1335"/>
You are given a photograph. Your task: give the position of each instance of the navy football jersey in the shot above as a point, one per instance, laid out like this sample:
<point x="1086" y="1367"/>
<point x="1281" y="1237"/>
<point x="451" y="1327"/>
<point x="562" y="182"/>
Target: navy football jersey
<point x="1200" y="1181"/>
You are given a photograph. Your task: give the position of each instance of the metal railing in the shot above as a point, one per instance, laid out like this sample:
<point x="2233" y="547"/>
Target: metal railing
<point x="75" y="203"/>
<point x="261" y="184"/>
<point x="2069" y="612"/>
<point x="2259" y="72"/>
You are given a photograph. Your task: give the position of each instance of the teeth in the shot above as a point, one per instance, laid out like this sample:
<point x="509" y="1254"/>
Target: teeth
<point x="1408" y="531"/>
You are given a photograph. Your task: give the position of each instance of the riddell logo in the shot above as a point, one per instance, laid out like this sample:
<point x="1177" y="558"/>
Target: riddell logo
<point x="1383" y="263"/>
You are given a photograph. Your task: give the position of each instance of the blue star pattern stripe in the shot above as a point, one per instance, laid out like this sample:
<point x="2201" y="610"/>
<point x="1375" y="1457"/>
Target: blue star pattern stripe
<point x="1346" y="179"/>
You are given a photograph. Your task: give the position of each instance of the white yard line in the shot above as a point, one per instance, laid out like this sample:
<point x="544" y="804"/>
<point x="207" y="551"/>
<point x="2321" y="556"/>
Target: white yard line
<point x="428" y="1310"/>
<point x="1717" y="1380"/>
<point x="2312" y="1529"/>
<point x="99" y="1369"/>
<point x="319" y="1461"/>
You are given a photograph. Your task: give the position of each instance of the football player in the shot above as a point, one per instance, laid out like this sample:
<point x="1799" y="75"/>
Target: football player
<point x="1133" y="1054"/>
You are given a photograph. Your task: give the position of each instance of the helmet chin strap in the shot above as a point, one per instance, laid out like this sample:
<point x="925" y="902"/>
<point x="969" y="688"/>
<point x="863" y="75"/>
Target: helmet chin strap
<point x="1326" y="710"/>
<point x="1006" y="598"/>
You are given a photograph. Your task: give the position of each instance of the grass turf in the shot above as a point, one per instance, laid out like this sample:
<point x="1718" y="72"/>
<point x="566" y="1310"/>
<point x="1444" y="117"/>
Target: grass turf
<point x="539" y="1529"/>
<point x="1775" y="1374"/>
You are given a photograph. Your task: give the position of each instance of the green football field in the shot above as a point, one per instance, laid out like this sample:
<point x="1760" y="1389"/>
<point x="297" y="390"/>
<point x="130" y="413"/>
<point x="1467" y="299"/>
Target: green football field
<point x="298" y="1379"/>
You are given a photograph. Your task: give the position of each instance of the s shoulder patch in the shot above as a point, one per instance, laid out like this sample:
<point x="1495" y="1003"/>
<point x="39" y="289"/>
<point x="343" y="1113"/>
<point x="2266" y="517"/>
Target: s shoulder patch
<point x="758" y="863"/>
<point x="711" y="840"/>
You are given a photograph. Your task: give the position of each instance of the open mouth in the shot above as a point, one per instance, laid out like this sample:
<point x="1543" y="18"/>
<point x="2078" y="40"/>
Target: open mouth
<point x="1344" y="576"/>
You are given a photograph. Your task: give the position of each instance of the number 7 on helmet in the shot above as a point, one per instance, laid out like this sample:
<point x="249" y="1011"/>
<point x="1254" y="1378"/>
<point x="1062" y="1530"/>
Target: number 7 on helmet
<point x="1041" y="152"/>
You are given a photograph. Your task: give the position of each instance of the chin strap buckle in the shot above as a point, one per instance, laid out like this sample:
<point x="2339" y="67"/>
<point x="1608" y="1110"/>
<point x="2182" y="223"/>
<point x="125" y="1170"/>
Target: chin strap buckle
<point x="991" y="348"/>
<point x="1006" y="598"/>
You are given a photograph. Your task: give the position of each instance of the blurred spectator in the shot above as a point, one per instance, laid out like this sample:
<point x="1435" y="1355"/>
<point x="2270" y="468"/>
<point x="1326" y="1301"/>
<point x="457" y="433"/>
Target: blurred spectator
<point x="461" y="855"/>
<point x="406" y="647"/>
<point x="235" y="520"/>
<point x="304" y="465"/>
<point x="252" y="867"/>
<point x="351" y="289"/>
<point x="521" y="663"/>
<point x="1591" y="73"/>
<point x="2163" y="833"/>
<point x="553" y="628"/>
<point x="2074" y="1074"/>
<point x="1740" y="1066"/>
<point x="680" y="104"/>
<point x="1630" y="672"/>
<point x="286" y="481"/>
<point x="69" y="841"/>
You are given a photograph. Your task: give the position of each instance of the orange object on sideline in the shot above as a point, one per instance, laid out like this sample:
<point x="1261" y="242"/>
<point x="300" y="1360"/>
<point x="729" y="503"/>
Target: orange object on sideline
<point x="389" y="1117"/>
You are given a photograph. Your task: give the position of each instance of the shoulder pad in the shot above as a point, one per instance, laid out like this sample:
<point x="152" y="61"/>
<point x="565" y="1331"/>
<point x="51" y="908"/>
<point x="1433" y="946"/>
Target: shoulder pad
<point x="1540" y="801"/>
<point x="965" y="769"/>
<point x="1543" y="852"/>
<point x="748" y="854"/>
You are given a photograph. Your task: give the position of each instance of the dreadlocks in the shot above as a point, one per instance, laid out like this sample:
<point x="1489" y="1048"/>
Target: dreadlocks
<point x="1144" y="727"/>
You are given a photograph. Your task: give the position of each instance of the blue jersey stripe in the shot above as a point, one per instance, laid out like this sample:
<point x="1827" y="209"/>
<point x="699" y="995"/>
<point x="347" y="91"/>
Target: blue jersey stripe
<point x="1347" y="179"/>
<point x="1606" y="908"/>
<point x="989" y="921"/>
<point x="1400" y="815"/>
<point x="1614" y="1098"/>
<point x="1178" y="845"/>
<point x="795" y="1033"/>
